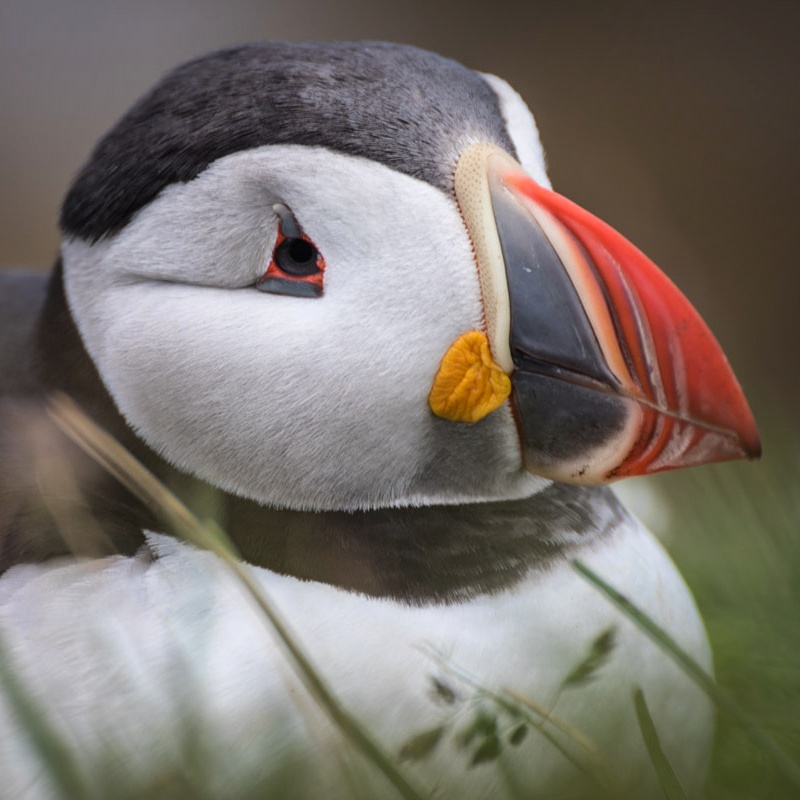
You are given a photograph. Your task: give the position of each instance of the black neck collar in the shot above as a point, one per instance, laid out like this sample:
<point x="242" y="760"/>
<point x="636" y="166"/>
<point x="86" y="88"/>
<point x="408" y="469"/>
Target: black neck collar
<point x="435" y="554"/>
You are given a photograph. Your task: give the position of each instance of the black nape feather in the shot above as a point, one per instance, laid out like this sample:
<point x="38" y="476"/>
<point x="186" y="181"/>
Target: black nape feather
<point x="405" y="107"/>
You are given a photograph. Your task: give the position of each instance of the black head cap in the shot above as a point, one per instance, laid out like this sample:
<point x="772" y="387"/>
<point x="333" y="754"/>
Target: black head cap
<point x="407" y="108"/>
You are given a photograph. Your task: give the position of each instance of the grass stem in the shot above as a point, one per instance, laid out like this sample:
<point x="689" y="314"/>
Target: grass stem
<point x="133" y="474"/>
<point x="788" y="767"/>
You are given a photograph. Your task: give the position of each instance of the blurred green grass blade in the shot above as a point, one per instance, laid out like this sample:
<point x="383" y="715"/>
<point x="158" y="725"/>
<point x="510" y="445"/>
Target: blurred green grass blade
<point x="521" y="706"/>
<point x="209" y="536"/>
<point x="54" y="753"/>
<point x="666" y="775"/>
<point x="516" y="701"/>
<point x="518" y="704"/>
<point x="787" y="766"/>
<point x="595" y="659"/>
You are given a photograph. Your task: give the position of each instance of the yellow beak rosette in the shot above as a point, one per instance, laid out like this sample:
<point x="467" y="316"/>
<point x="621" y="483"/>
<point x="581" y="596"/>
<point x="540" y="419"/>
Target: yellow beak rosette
<point x="469" y="384"/>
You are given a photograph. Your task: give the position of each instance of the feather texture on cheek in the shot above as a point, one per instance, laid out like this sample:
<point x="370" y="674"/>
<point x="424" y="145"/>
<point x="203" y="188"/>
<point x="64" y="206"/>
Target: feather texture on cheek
<point x="268" y="396"/>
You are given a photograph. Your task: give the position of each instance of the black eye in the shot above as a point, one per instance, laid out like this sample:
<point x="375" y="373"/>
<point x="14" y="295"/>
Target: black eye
<point x="297" y="268"/>
<point x="297" y="257"/>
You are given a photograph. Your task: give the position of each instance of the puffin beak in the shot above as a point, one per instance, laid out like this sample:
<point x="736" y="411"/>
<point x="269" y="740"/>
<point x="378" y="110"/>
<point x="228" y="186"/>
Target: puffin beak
<point x="613" y="372"/>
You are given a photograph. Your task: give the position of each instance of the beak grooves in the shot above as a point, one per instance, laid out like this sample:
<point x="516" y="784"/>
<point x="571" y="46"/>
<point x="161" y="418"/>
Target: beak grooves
<point x="614" y="373"/>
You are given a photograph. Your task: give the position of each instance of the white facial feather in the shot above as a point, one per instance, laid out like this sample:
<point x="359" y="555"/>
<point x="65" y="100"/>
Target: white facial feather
<point x="295" y="402"/>
<point x="522" y="129"/>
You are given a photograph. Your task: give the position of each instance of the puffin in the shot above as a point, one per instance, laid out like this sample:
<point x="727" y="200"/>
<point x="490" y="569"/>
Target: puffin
<point x="325" y="293"/>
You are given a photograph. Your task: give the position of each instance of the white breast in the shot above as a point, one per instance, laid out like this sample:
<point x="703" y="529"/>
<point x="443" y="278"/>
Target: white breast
<point x="169" y="655"/>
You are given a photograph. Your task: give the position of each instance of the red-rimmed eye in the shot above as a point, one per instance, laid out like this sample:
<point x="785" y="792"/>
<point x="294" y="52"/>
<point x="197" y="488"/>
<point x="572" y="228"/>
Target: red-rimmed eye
<point x="297" y="267"/>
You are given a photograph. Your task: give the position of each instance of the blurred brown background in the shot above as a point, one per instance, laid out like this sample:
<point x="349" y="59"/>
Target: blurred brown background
<point x="676" y="123"/>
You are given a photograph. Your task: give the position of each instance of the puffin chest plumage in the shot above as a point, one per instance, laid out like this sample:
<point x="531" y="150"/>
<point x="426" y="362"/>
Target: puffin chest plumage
<point x="326" y="290"/>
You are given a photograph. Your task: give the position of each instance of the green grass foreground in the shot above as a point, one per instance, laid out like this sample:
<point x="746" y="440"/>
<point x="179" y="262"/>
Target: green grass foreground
<point x="735" y="535"/>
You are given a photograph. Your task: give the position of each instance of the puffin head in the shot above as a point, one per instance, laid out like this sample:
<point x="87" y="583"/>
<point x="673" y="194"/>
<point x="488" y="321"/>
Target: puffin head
<point x="334" y="276"/>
